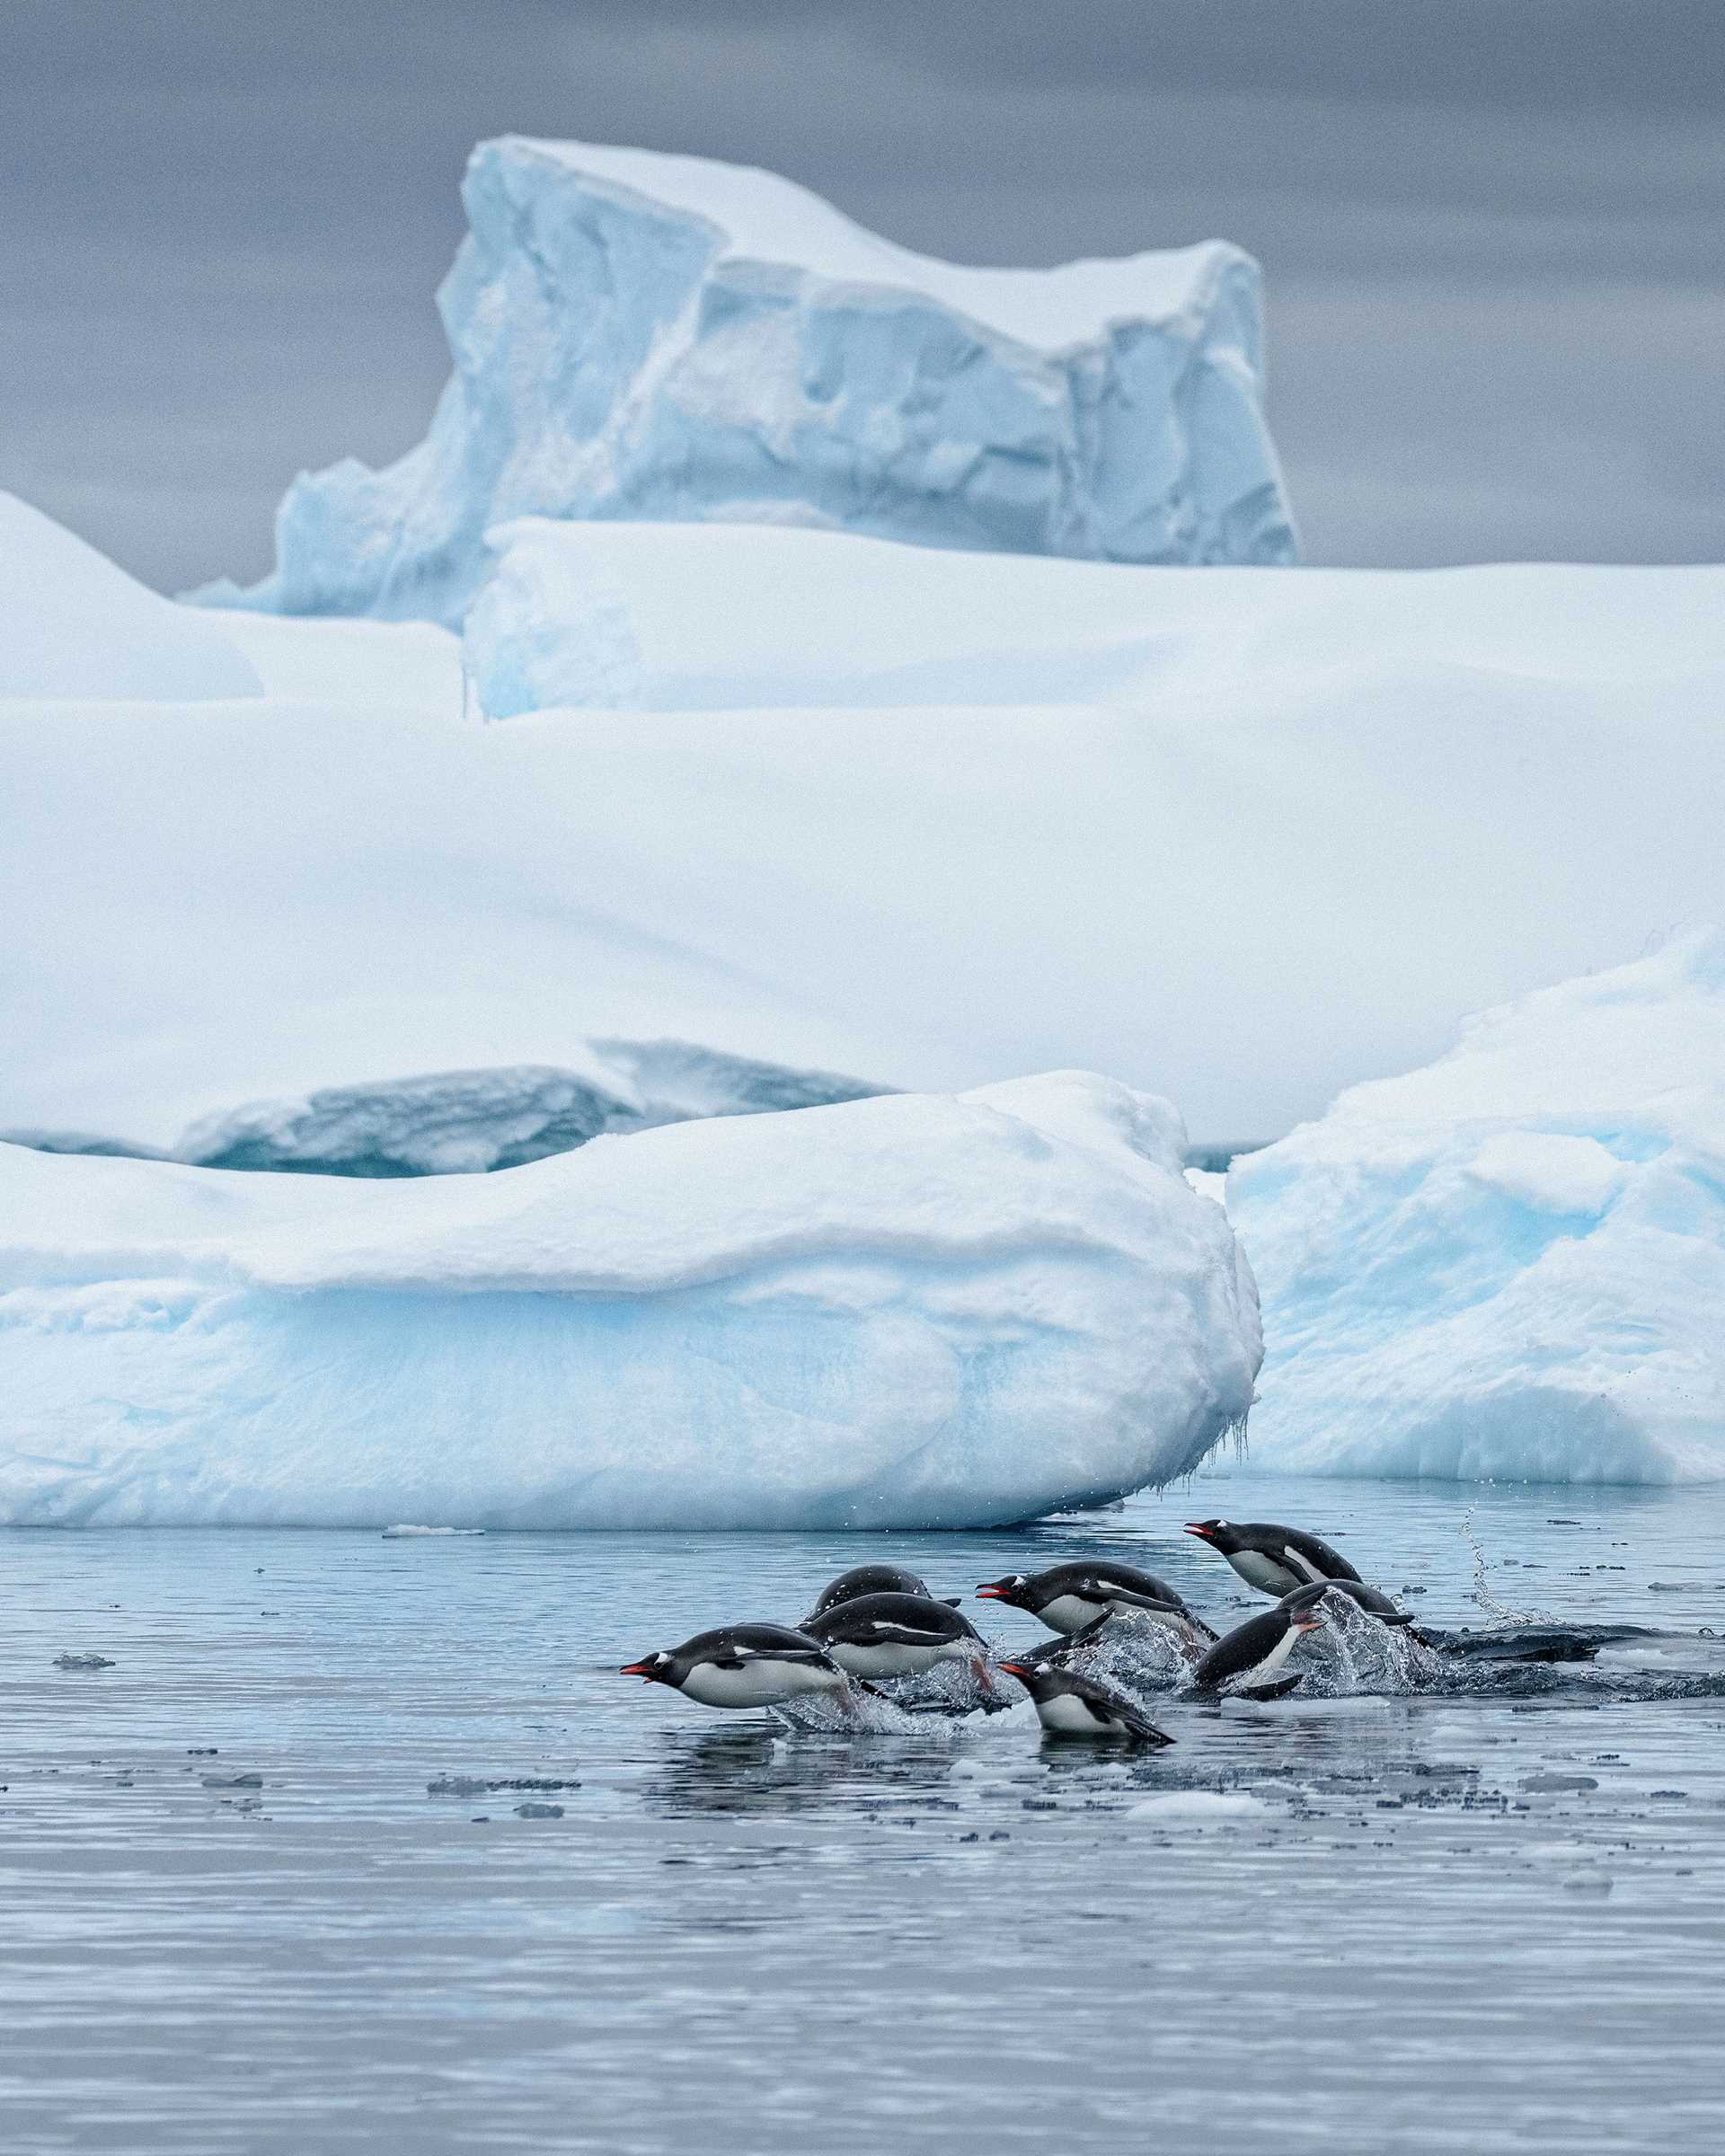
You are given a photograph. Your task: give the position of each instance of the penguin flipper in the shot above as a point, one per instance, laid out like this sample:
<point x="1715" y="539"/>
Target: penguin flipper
<point x="1141" y="1730"/>
<point x="1278" y="1689"/>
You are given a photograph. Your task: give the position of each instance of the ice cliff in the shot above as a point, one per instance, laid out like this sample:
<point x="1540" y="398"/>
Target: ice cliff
<point x="637" y="335"/>
<point x="1511" y="1263"/>
<point x="916" y="1311"/>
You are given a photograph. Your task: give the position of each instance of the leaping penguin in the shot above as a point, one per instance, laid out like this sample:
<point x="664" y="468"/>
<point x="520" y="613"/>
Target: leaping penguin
<point x="1073" y="1706"/>
<point x="1069" y="1597"/>
<point x="744" y="1665"/>
<point x="899" y="1636"/>
<point x="1273" y="1559"/>
<point x="1249" y="1660"/>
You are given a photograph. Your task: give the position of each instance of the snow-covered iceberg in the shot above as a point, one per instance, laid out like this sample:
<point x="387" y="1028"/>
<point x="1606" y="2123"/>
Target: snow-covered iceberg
<point x="638" y="335"/>
<point x="914" y="1311"/>
<point x="1290" y="831"/>
<point x="1510" y="1264"/>
<point x="74" y="625"/>
<point x="673" y="617"/>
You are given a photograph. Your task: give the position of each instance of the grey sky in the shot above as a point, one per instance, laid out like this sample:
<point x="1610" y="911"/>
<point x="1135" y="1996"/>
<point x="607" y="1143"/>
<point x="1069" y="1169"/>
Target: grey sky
<point x="1493" y="231"/>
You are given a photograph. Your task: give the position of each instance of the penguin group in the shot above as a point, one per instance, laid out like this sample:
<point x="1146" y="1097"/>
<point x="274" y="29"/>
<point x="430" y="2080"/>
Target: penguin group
<point x="880" y="1626"/>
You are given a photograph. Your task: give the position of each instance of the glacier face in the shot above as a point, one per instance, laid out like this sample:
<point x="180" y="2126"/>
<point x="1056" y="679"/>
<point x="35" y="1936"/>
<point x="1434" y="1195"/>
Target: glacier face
<point x="1511" y="1263"/>
<point x="644" y="336"/>
<point x="915" y="1311"/>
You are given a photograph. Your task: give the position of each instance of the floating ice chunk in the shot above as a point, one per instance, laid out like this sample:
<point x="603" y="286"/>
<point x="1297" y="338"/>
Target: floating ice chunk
<point x="643" y="336"/>
<point x="74" y="625"/>
<point x="1198" y="1807"/>
<point x="403" y="1533"/>
<point x="1510" y="1263"/>
<point x="915" y="1311"/>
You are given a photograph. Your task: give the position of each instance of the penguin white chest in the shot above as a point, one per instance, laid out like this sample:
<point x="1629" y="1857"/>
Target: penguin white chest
<point x="888" y="1659"/>
<point x="1068" y="1717"/>
<point x="1069" y="1613"/>
<point x="1262" y="1671"/>
<point x="1265" y="1573"/>
<point x="758" y="1682"/>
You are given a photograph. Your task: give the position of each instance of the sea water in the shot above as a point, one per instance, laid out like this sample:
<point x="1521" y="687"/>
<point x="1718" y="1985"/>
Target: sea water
<point x="317" y="1842"/>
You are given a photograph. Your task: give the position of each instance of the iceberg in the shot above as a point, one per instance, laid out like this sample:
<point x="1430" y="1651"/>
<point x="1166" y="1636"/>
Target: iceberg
<point x="1267" y="831"/>
<point x="77" y="626"/>
<point x="637" y="335"/>
<point x="1509" y="1264"/>
<point x="908" y="1311"/>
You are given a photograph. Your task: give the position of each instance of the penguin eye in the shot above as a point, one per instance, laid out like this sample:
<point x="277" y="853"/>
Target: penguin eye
<point x="661" y="1656"/>
<point x="1221" y="1523"/>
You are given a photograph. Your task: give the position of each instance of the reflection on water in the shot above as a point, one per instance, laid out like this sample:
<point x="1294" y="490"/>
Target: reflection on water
<point x="260" y="1897"/>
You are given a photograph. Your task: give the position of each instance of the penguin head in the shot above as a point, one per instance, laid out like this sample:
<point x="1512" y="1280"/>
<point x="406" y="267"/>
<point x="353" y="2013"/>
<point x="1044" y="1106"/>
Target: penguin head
<point x="1301" y="1608"/>
<point x="1218" y="1534"/>
<point x="1028" y="1674"/>
<point x="657" y="1669"/>
<point x="1009" y="1589"/>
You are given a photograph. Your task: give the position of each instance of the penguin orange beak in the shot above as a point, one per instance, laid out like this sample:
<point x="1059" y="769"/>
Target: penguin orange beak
<point x="990" y="1592"/>
<point x="1018" y="1670"/>
<point x="1197" y="1528"/>
<point x="640" y="1669"/>
<point x="1308" y="1623"/>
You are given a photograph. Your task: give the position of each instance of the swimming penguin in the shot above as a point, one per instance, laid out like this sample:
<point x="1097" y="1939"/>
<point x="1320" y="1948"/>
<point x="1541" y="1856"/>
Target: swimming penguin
<point x="1248" y="1660"/>
<point x="1068" y="1597"/>
<point x="871" y="1579"/>
<point x="1273" y="1559"/>
<point x="1073" y="1706"/>
<point x="744" y="1665"/>
<point x="899" y="1636"/>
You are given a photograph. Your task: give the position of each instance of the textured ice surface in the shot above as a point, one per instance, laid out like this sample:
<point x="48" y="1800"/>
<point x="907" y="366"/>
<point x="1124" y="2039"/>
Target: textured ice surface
<point x="1511" y="1263"/>
<point x="637" y="335"/>
<point x="911" y="1311"/>
<point x="74" y="625"/>
<point x="471" y="1122"/>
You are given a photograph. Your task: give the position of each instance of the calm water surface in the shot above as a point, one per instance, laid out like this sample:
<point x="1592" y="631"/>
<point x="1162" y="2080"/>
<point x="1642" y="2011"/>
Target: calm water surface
<point x="1479" y="1921"/>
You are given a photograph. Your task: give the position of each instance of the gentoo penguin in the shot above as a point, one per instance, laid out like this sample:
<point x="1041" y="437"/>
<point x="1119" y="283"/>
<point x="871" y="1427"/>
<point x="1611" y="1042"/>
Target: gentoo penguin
<point x="743" y="1665"/>
<point x="1273" y="1559"/>
<point x="1068" y="1597"/>
<point x="870" y="1579"/>
<point x="1072" y="1706"/>
<point x="1249" y="1658"/>
<point x="899" y="1636"/>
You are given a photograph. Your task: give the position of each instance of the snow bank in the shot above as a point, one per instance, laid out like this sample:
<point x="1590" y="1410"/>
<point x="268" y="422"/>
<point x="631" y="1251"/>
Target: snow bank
<point x="75" y="624"/>
<point x="906" y="1312"/>
<point x="637" y="335"/>
<point x="1510" y="1264"/>
<point x="1268" y="831"/>
<point x="703" y="617"/>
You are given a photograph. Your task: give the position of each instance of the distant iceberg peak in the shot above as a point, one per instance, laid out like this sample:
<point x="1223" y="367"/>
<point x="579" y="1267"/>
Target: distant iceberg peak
<point x="637" y="335"/>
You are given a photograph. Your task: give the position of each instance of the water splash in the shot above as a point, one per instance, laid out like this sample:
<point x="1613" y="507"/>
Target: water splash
<point x="1483" y="1596"/>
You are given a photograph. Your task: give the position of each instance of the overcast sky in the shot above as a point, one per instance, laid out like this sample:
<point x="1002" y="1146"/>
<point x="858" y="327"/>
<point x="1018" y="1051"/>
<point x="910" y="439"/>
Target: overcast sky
<point x="1493" y="231"/>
